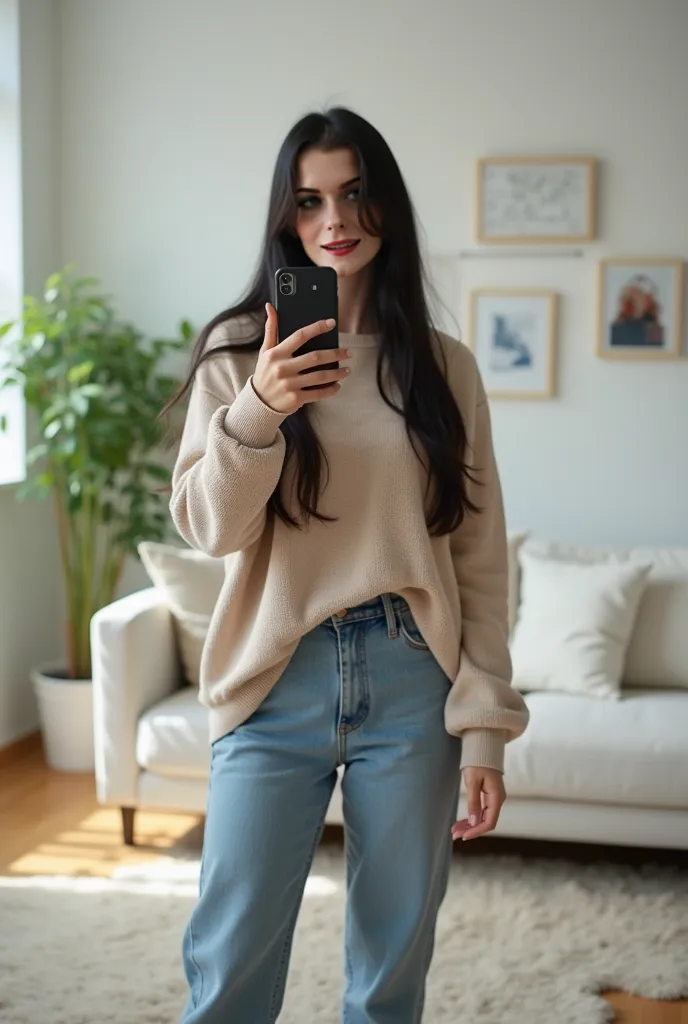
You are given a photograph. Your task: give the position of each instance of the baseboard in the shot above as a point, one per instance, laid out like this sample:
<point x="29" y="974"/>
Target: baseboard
<point x="20" y="749"/>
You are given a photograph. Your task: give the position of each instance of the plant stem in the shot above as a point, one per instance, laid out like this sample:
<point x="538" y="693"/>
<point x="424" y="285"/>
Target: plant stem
<point x="65" y="556"/>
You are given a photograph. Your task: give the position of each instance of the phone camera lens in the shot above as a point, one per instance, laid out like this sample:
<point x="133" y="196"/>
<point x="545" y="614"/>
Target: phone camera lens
<point x="287" y="284"/>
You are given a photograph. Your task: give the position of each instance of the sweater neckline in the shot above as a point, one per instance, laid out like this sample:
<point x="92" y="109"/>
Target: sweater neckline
<point x="358" y="340"/>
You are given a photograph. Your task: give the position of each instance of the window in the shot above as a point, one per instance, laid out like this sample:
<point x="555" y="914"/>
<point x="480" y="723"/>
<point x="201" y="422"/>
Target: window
<point x="12" y="442"/>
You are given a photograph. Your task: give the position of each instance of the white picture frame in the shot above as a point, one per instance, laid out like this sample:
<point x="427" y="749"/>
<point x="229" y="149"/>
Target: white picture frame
<point x="640" y="308"/>
<point x="546" y="199"/>
<point x="512" y="333"/>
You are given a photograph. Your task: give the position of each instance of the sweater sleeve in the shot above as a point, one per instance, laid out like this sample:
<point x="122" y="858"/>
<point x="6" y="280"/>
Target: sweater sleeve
<point x="482" y="706"/>
<point x="230" y="461"/>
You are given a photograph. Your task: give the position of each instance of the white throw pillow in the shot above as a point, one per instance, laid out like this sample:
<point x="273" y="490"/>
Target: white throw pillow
<point x="574" y="624"/>
<point x="190" y="582"/>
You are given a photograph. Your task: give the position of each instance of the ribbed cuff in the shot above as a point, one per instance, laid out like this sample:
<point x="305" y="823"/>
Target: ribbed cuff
<point x="483" y="748"/>
<point x="250" y="421"/>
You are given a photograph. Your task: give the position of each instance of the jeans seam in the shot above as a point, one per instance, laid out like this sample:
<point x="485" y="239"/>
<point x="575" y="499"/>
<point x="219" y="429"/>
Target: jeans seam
<point x="196" y="999"/>
<point x="363" y="676"/>
<point x="347" y="952"/>
<point x="281" y="970"/>
<point x="419" y="645"/>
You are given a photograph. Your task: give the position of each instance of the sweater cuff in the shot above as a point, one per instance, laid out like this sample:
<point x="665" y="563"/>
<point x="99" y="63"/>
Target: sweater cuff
<point x="483" y="748"/>
<point x="250" y="421"/>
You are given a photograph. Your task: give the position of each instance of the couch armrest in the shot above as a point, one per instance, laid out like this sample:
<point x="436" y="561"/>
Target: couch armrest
<point x="135" y="664"/>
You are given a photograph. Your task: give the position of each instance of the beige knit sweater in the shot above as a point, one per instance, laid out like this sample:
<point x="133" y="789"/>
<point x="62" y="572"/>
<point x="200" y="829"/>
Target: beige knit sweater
<point x="281" y="582"/>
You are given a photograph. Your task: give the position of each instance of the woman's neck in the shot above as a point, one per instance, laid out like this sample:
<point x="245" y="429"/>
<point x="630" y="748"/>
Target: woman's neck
<point x="354" y="314"/>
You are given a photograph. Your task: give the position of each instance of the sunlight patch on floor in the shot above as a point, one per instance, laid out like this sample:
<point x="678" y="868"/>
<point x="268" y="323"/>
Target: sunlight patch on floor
<point x="94" y="846"/>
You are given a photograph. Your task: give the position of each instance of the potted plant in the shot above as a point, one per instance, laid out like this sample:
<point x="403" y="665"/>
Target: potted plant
<point x="95" y="385"/>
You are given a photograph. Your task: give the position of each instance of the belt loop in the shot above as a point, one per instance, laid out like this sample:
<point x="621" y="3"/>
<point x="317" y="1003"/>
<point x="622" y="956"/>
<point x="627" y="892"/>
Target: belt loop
<point x="390" y="615"/>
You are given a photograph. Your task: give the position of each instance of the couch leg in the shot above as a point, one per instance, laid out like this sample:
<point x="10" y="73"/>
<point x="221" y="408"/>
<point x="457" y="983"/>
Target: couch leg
<point x="128" y="825"/>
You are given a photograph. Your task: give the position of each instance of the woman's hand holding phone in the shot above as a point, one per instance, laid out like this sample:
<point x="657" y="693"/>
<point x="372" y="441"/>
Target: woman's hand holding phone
<point x="278" y="379"/>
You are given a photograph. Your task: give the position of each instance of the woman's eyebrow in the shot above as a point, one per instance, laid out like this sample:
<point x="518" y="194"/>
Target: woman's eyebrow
<point x="351" y="181"/>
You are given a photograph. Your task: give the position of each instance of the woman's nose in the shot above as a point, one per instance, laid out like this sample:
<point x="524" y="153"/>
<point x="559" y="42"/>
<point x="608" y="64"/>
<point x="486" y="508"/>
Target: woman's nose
<point x="334" y="216"/>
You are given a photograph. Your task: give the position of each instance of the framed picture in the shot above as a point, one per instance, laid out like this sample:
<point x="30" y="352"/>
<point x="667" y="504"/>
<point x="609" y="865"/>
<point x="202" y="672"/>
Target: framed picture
<point x="536" y="199"/>
<point x="640" y="309"/>
<point x="512" y="335"/>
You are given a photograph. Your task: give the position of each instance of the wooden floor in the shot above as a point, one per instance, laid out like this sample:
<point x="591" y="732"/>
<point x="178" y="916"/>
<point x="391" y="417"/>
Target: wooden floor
<point x="51" y="824"/>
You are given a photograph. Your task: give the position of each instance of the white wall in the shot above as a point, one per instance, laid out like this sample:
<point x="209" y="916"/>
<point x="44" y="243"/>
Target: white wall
<point x="171" y="115"/>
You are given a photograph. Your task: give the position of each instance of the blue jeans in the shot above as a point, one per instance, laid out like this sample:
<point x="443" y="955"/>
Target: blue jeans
<point x="363" y="691"/>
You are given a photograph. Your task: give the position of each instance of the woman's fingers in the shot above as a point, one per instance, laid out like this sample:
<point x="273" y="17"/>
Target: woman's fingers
<point x="304" y="334"/>
<point x="485" y="796"/>
<point x="270" y="338"/>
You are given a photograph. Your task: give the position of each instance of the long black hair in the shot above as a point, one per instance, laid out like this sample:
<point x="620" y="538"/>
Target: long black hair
<point x="398" y="308"/>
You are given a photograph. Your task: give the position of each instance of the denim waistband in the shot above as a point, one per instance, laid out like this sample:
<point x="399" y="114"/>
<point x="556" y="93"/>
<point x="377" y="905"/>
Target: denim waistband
<point x="383" y="606"/>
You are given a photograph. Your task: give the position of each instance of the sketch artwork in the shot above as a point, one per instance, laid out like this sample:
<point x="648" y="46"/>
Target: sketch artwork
<point x="544" y="200"/>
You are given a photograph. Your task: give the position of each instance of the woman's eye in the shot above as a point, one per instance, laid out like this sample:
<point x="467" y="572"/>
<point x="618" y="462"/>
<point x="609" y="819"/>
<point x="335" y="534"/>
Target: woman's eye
<point x="304" y="204"/>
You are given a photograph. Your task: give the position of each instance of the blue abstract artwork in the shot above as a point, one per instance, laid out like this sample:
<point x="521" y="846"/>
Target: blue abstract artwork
<point x="512" y="335"/>
<point x="510" y="348"/>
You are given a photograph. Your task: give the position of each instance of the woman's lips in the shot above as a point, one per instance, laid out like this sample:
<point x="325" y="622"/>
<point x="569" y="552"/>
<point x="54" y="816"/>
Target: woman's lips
<point x="342" y="250"/>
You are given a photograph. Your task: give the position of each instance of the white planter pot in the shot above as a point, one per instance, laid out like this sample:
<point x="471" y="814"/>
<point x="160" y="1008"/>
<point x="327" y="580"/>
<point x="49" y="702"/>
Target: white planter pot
<point x="65" y="709"/>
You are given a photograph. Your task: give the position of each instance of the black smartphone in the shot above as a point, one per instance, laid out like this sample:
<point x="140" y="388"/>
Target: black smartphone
<point x="304" y="295"/>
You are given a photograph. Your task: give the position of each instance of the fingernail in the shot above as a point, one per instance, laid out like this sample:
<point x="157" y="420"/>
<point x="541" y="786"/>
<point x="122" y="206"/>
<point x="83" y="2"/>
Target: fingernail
<point x="472" y="819"/>
<point x="330" y="322"/>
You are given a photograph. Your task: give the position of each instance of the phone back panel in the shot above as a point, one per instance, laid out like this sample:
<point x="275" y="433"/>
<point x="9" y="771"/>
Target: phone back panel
<point x="315" y="299"/>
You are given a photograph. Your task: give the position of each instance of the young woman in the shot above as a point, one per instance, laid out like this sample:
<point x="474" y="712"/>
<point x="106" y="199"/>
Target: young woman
<point x="363" y="619"/>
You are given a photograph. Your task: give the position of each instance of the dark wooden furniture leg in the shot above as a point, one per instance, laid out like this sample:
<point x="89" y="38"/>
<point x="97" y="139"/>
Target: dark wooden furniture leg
<point x="128" y="825"/>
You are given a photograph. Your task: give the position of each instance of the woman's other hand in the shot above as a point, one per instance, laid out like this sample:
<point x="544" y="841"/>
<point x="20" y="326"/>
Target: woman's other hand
<point x="486" y="795"/>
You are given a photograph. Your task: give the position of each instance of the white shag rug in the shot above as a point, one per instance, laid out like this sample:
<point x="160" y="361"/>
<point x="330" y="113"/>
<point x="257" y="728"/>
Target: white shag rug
<point x="519" y="941"/>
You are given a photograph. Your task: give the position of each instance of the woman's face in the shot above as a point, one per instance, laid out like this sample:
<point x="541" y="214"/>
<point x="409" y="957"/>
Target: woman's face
<point x="327" y="191"/>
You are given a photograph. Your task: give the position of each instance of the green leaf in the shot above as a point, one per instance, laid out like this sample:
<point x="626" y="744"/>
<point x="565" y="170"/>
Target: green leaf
<point x="38" y="451"/>
<point x="81" y="371"/>
<point x="79" y="403"/>
<point x="186" y="329"/>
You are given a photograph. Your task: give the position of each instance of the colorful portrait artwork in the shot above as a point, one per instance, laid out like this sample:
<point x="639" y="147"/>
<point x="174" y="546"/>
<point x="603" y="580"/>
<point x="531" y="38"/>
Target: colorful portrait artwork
<point x="640" y="308"/>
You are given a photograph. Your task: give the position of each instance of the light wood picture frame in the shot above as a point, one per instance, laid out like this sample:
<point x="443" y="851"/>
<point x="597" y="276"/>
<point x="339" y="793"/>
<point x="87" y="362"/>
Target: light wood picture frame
<point x="512" y="332"/>
<point x="640" y="308"/>
<point x="536" y="199"/>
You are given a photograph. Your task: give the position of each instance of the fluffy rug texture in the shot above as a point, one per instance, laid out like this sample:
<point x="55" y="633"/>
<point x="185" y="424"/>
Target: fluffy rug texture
<point x="519" y="941"/>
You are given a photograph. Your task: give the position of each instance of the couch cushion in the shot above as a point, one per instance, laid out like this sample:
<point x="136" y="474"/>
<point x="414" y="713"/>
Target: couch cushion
<point x="657" y="654"/>
<point x="574" y="624"/>
<point x="631" y="751"/>
<point x="172" y="737"/>
<point x="190" y="582"/>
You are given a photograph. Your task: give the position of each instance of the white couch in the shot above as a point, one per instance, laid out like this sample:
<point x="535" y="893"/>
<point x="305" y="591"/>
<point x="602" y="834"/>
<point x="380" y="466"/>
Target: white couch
<point x="586" y="769"/>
